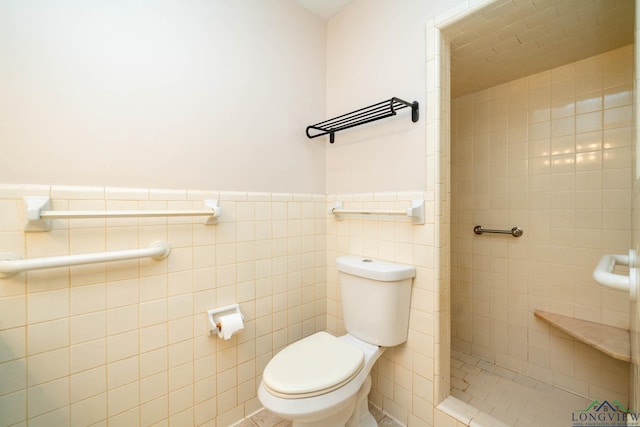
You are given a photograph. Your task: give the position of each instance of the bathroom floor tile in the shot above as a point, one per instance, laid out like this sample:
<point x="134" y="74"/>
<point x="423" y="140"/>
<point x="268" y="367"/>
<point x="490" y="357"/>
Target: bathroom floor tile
<point x="265" y="418"/>
<point x="388" y="422"/>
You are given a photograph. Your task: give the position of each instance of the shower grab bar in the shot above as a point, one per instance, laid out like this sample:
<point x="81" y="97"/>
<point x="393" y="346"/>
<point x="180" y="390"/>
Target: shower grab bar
<point x="11" y="264"/>
<point x="604" y="275"/>
<point x="416" y="211"/>
<point x="39" y="218"/>
<point x="515" y="231"/>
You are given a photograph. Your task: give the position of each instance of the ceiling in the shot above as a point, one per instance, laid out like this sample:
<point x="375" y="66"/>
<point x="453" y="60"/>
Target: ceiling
<point x="326" y="9"/>
<point x="511" y="39"/>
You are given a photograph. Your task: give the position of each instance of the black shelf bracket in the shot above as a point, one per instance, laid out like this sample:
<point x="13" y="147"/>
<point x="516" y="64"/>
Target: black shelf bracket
<point x="374" y="112"/>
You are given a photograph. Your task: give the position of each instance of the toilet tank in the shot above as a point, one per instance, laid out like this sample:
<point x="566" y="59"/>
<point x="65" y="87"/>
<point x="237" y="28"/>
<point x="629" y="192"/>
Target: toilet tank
<point x="376" y="297"/>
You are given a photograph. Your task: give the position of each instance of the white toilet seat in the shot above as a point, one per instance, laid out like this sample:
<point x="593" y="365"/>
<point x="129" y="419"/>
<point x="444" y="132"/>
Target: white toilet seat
<point x="312" y="366"/>
<point x="329" y="403"/>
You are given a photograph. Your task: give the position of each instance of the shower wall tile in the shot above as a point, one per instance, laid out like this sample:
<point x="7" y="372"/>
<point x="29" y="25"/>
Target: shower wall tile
<point x="127" y="342"/>
<point x="567" y="183"/>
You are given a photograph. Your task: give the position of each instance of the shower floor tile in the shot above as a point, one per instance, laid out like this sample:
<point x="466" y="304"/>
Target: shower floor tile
<point x="514" y="399"/>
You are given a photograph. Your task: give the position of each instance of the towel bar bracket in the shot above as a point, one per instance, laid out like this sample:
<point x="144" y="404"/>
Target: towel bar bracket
<point x="35" y="205"/>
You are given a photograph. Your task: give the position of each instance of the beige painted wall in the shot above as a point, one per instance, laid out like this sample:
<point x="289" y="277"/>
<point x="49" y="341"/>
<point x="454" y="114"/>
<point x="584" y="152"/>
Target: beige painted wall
<point x="376" y="50"/>
<point x="195" y="94"/>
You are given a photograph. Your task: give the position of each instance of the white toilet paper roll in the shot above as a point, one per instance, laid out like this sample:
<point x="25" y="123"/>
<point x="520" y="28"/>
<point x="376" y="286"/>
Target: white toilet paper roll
<point x="229" y="325"/>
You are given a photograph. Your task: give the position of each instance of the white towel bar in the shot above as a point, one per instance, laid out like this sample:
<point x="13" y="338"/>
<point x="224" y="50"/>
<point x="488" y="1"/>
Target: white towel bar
<point x="416" y="211"/>
<point x="39" y="218"/>
<point x="11" y="264"/>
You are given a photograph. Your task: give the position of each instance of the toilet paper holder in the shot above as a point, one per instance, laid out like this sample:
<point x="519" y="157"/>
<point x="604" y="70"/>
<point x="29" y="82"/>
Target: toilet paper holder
<point x="215" y="314"/>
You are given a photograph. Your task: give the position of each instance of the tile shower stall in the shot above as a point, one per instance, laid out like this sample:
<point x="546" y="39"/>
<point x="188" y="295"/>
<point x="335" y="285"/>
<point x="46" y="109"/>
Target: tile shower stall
<point x="550" y="153"/>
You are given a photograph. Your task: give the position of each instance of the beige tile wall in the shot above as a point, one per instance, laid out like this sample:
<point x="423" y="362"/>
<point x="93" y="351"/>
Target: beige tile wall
<point x="125" y="343"/>
<point x="550" y="153"/>
<point x="403" y="378"/>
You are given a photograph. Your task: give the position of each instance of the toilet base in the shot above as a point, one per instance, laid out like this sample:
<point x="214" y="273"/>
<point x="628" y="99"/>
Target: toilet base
<point x="337" y="419"/>
<point x="361" y="416"/>
<point x="355" y="413"/>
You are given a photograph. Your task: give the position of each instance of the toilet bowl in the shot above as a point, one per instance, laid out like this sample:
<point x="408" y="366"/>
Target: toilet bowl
<point x="324" y="381"/>
<point x="332" y="394"/>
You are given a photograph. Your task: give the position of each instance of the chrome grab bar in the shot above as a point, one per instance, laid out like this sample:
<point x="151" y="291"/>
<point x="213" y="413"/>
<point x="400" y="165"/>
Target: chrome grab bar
<point x="515" y="231"/>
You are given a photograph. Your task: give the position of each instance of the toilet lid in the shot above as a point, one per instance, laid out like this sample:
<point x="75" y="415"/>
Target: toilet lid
<point x="314" y="365"/>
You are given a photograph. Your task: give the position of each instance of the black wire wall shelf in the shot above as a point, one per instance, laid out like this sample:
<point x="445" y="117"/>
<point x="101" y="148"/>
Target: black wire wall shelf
<point x="374" y="112"/>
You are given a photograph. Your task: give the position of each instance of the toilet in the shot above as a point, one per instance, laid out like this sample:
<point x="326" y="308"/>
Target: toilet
<point x="323" y="380"/>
